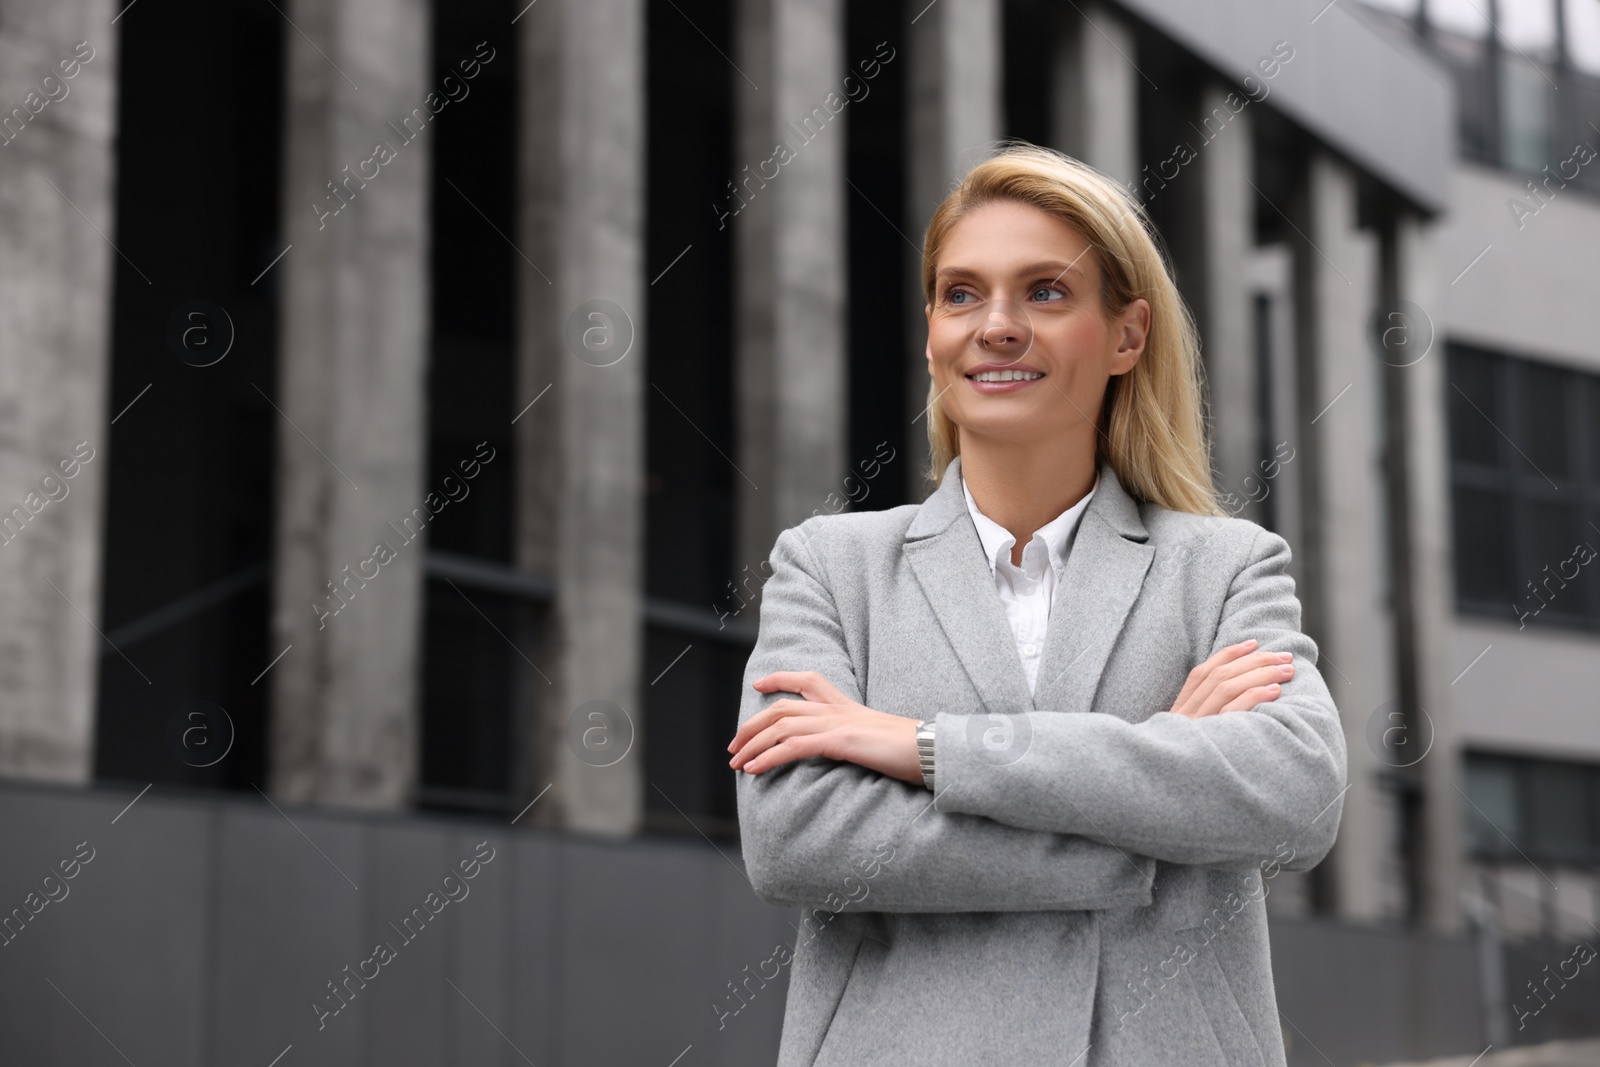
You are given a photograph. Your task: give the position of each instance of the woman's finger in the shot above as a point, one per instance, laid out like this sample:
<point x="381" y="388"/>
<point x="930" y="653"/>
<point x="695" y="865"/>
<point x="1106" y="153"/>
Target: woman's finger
<point x="809" y="684"/>
<point x="763" y="719"/>
<point x="1237" y="668"/>
<point x="797" y="747"/>
<point x="780" y="730"/>
<point x="812" y="688"/>
<point x="1252" y="698"/>
<point x="1190" y="694"/>
<point x="1231" y="689"/>
<point x="757" y="723"/>
<point x="1198" y="676"/>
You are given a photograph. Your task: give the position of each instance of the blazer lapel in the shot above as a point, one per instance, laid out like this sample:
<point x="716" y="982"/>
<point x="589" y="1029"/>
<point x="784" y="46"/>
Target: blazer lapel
<point x="1105" y="571"/>
<point x="945" y="554"/>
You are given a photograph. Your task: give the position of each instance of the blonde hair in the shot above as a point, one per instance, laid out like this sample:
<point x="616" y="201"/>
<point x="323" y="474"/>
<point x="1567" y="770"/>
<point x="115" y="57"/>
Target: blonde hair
<point x="1152" y="426"/>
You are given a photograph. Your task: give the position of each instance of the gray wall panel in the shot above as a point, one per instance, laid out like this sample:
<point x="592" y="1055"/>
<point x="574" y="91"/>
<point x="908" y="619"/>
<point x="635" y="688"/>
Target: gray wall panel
<point x="745" y="930"/>
<point x="633" y="947"/>
<point x="481" y="961"/>
<point x="536" y="903"/>
<point x="286" y="920"/>
<point x="1375" y="994"/>
<point x="124" y="944"/>
<point x="403" y="1009"/>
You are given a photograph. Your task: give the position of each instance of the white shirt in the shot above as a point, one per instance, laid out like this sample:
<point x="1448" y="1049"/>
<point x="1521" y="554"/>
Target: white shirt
<point x="1028" y="591"/>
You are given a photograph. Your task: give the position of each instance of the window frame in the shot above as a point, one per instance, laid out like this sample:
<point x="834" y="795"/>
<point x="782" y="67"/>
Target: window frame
<point x="1521" y="485"/>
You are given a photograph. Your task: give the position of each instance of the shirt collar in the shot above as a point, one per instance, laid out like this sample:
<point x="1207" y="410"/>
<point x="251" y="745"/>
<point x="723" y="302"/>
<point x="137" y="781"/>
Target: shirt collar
<point x="1056" y="534"/>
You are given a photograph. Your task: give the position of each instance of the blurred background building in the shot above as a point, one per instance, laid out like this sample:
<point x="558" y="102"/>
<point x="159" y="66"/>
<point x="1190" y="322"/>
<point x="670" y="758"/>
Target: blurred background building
<point x="398" y="401"/>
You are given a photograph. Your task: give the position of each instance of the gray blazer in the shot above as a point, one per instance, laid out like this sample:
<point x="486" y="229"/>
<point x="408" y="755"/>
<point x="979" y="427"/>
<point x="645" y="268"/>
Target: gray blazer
<point x="1087" y="885"/>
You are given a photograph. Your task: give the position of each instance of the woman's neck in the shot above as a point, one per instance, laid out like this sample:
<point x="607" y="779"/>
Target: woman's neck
<point x="1023" y="487"/>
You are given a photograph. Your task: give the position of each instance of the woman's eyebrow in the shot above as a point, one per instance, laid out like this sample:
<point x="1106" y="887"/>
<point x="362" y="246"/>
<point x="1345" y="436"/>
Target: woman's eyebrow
<point x="1056" y="267"/>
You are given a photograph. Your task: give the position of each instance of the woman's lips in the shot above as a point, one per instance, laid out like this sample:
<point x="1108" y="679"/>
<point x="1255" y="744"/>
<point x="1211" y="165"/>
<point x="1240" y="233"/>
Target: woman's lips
<point x="1004" y="387"/>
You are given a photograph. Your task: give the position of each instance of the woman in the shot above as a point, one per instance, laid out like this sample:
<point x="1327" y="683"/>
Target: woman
<point x="1084" y="882"/>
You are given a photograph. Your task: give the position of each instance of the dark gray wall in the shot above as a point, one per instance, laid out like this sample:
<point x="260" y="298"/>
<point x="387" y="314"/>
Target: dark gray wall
<point x="204" y="928"/>
<point x="1369" y="995"/>
<point x="206" y="925"/>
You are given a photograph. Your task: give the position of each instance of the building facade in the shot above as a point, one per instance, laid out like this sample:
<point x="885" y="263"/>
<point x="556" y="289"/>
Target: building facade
<point x="398" y="403"/>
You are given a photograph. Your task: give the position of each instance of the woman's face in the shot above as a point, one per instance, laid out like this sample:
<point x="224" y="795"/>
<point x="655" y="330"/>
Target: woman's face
<point x="1017" y="291"/>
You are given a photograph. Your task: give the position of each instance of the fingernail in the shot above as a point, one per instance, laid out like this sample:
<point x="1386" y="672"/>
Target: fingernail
<point x="1249" y="644"/>
<point x="1274" y="686"/>
<point x="1286" y="656"/>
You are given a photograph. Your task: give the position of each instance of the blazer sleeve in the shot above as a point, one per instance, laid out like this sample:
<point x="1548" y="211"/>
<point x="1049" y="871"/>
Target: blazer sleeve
<point x="816" y="828"/>
<point x="1229" y="790"/>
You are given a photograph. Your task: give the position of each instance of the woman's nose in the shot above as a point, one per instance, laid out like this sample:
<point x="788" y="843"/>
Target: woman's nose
<point x="1005" y="324"/>
<point x="999" y="330"/>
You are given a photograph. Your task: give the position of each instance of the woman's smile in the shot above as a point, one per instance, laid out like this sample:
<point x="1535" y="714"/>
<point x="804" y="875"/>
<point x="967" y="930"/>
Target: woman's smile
<point x="999" y="378"/>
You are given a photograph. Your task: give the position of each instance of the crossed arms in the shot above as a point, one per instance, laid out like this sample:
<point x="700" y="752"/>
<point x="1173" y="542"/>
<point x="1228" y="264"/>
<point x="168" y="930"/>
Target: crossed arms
<point x="1077" y="823"/>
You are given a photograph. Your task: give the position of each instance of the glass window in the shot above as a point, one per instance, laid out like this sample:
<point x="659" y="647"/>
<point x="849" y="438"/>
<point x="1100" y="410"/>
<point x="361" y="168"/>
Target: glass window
<point x="1528" y="26"/>
<point x="1558" y="802"/>
<point x="1583" y="36"/>
<point x="1555" y="569"/>
<point x="1465" y="18"/>
<point x="1545" y="393"/>
<point x="1593" y="806"/>
<point x="1526" y="106"/>
<point x="1525" y="488"/>
<point x="1493" y="813"/>
<point x="1545" y="809"/>
<point x="1475" y="408"/>
<point x="1592" y="426"/>
<point x="1483" y="548"/>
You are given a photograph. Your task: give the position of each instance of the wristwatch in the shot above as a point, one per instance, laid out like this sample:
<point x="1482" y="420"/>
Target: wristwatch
<point x="925" y="750"/>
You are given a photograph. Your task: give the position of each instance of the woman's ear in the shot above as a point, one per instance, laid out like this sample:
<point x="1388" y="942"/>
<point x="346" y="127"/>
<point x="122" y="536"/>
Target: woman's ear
<point x="1133" y="329"/>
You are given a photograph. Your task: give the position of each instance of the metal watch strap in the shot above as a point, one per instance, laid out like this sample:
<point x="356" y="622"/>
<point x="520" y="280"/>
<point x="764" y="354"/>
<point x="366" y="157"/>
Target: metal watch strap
<point x="925" y="750"/>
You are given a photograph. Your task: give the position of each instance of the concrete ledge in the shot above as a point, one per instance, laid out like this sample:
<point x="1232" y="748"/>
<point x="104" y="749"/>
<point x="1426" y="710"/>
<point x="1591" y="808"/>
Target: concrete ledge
<point x="1380" y="102"/>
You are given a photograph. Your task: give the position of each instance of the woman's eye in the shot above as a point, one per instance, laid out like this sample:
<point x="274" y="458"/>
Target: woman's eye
<point x="951" y="296"/>
<point x="1050" y="292"/>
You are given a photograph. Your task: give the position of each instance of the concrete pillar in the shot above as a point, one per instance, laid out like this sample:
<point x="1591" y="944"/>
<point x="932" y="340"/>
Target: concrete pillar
<point x="1226" y="220"/>
<point x="790" y="264"/>
<point x="350" y="392"/>
<point x="1424" y="400"/>
<point x="55" y="271"/>
<point x="953" y="121"/>
<point x="1095" y="93"/>
<point x="580" y="458"/>
<point x="1346" y="600"/>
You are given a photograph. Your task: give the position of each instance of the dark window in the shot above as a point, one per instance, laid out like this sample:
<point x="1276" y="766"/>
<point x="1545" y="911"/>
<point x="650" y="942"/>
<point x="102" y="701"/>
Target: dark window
<point x="1534" y="809"/>
<point x="189" y="460"/>
<point x="1525" y="489"/>
<point x="1483" y="546"/>
<point x="481" y="620"/>
<point x="693" y="659"/>
<point x="1558" y="821"/>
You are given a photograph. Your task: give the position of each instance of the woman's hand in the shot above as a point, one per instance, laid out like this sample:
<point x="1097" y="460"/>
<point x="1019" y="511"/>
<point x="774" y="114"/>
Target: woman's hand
<point x="1235" y="679"/>
<point x="824" y="723"/>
